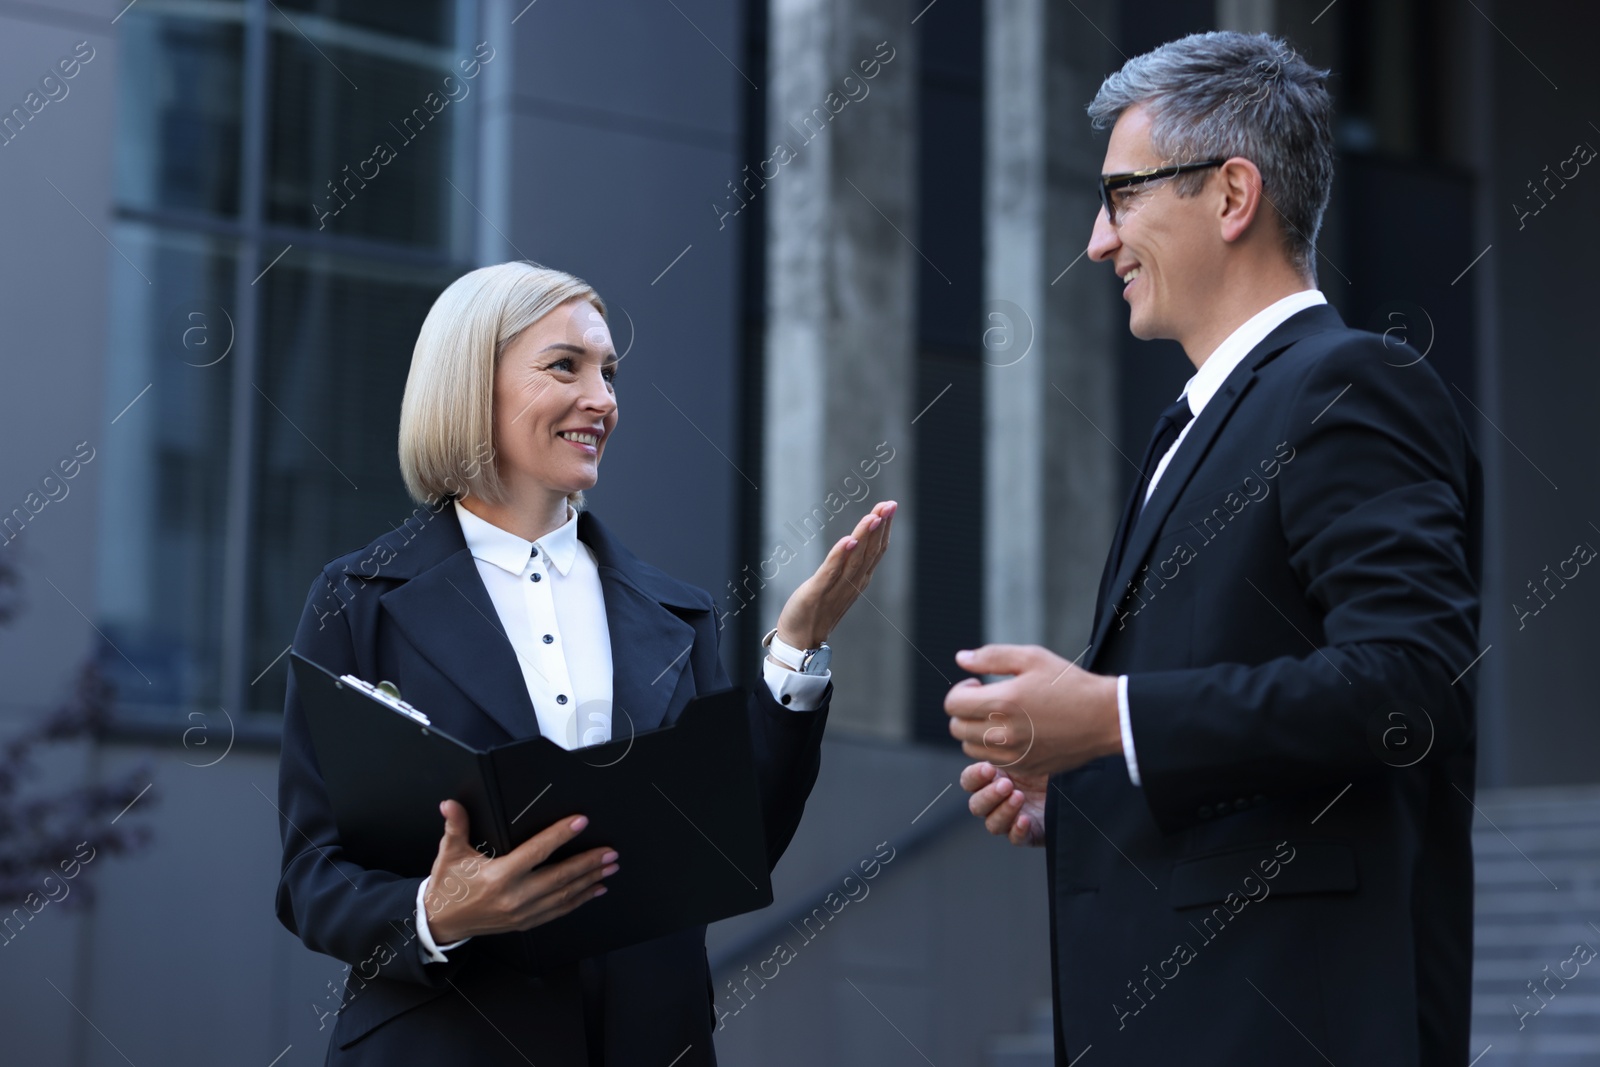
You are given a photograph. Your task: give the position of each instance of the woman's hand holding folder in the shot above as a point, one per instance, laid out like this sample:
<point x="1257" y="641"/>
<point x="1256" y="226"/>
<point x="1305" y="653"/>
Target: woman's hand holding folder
<point x="470" y="894"/>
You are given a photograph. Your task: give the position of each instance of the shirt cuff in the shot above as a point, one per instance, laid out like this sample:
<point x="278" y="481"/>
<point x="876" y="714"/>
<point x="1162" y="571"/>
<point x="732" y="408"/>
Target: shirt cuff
<point x="1127" y="730"/>
<point x="431" y="952"/>
<point x="795" y="691"/>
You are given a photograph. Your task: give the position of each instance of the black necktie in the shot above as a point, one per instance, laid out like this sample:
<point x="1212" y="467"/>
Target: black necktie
<point x="1168" y="427"/>
<point x="1171" y="423"/>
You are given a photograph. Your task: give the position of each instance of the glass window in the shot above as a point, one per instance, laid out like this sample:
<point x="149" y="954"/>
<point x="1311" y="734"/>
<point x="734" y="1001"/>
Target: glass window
<point x="427" y="21"/>
<point x="361" y="133"/>
<point x="261" y="349"/>
<point x="165" y="472"/>
<point x="180" y="106"/>
<point x="337" y="334"/>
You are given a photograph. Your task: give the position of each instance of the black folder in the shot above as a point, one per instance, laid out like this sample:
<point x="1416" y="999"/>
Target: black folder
<point x="679" y="804"/>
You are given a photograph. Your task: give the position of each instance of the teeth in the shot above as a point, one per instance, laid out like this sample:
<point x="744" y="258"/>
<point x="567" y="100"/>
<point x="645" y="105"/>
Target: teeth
<point x="1131" y="275"/>
<point x="582" y="438"/>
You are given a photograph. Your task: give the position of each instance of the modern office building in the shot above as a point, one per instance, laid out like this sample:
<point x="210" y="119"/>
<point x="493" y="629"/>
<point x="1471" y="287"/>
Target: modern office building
<point x="841" y="243"/>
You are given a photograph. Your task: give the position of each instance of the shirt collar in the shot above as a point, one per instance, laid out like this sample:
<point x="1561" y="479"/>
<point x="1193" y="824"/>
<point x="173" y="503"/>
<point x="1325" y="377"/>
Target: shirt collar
<point x="1241" y="342"/>
<point x="506" y="550"/>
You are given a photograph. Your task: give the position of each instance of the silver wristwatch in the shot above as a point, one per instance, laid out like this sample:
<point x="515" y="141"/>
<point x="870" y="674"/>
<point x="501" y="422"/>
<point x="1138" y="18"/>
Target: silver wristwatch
<point x="804" y="660"/>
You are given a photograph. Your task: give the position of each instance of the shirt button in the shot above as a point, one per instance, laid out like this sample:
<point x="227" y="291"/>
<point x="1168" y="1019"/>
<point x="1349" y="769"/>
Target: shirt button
<point x="536" y="577"/>
<point x="561" y="698"/>
<point x="548" y="639"/>
<point x="786" y="698"/>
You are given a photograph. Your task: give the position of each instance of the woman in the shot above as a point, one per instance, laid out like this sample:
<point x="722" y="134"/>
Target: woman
<point x="503" y="611"/>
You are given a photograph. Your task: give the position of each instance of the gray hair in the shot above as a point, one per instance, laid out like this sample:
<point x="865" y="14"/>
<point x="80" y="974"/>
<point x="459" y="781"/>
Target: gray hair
<point x="1223" y="94"/>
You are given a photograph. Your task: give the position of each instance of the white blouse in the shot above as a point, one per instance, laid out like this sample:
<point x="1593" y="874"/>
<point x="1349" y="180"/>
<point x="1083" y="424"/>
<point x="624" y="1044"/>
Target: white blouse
<point x="547" y="594"/>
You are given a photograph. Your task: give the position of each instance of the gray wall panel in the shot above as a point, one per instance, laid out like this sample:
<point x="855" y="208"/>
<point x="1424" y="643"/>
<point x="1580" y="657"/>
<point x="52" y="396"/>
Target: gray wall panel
<point x="617" y="208"/>
<point x="53" y="313"/>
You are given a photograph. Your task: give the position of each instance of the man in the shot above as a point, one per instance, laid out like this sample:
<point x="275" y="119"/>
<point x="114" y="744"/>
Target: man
<point x="1255" y="790"/>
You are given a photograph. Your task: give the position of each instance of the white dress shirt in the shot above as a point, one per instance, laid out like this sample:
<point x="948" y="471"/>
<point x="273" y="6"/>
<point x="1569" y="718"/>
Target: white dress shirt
<point x="548" y="597"/>
<point x="1200" y="388"/>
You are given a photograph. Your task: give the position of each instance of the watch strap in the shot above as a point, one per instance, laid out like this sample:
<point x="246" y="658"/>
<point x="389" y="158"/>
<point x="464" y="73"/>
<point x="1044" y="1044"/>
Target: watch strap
<point x="785" y="653"/>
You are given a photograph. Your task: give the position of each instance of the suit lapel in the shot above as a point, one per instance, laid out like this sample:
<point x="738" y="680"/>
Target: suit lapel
<point x="649" y="643"/>
<point x="649" y="649"/>
<point x="1173" y="481"/>
<point x="446" y="614"/>
<point x="1130" y="513"/>
<point x="1202" y="434"/>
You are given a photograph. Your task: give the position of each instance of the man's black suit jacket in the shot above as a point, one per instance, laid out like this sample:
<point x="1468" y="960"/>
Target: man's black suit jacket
<point x="1295" y="610"/>
<point x="411" y="608"/>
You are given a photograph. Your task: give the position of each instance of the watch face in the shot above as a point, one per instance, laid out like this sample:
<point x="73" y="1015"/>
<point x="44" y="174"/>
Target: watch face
<point x="817" y="662"/>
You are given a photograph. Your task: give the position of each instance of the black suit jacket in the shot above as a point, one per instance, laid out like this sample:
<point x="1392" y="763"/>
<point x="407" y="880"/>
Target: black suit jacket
<point x="411" y="608"/>
<point x="1293" y="881"/>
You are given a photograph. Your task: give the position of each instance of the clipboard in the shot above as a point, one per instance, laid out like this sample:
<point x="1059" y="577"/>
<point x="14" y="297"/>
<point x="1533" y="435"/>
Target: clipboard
<point x="679" y="804"/>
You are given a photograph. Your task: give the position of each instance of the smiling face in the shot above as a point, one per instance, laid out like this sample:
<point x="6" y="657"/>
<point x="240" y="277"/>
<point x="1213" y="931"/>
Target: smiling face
<point x="1163" y="246"/>
<point x="555" y="403"/>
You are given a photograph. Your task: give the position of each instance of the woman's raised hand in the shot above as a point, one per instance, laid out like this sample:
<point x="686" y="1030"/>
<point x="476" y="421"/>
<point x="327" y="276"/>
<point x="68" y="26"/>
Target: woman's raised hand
<point x="814" y="609"/>
<point x="470" y="894"/>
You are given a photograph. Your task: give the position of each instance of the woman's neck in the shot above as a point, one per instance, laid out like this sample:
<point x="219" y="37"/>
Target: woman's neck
<point x="528" y="518"/>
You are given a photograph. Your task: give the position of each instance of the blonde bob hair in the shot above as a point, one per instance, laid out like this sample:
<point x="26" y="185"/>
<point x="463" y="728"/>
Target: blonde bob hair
<point x="447" y="414"/>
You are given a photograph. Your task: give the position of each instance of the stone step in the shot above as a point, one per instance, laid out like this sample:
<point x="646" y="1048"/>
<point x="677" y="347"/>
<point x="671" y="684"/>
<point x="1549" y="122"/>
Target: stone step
<point x="1523" y="926"/>
<point x="1491" y="902"/>
<point x="1538" y="934"/>
<point x="1563" y="1003"/>
<point x="1517" y="969"/>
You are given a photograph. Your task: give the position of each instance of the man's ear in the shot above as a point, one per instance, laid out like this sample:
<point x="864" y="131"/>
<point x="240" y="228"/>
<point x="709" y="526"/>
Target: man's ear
<point x="1241" y="197"/>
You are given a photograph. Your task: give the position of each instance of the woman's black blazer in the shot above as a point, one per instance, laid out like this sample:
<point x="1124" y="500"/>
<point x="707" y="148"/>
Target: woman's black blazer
<point x="411" y="608"/>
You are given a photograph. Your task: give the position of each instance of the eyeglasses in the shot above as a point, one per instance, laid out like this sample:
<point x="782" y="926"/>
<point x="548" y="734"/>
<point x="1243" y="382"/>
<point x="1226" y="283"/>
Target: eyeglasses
<point x="1110" y="183"/>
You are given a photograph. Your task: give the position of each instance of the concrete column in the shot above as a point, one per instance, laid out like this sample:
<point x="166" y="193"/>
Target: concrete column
<point x="1248" y="16"/>
<point x="1051" y="330"/>
<point x="840" y="182"/>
